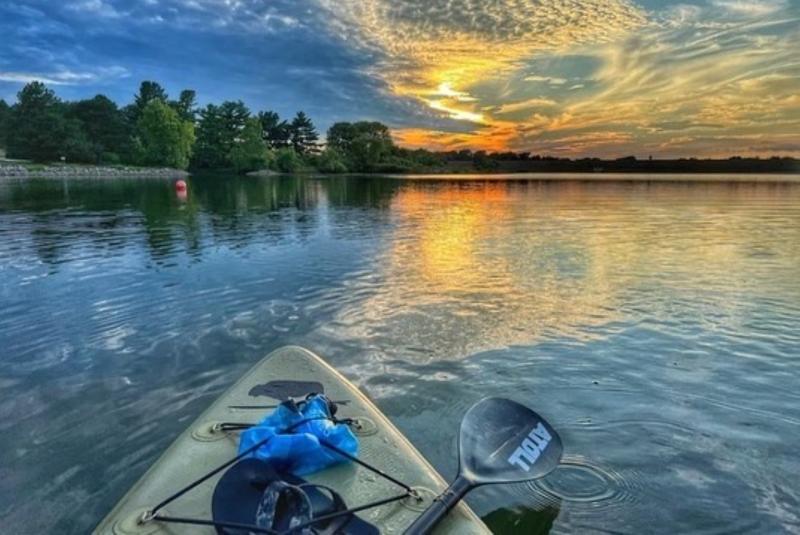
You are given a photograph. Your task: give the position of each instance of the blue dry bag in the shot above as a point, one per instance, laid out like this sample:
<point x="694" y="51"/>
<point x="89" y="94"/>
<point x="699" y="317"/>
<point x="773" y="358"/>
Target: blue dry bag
<point x="294" y="431"/>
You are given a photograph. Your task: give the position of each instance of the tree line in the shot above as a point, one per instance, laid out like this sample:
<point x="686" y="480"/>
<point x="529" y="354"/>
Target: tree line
<point x="155" y="130"/>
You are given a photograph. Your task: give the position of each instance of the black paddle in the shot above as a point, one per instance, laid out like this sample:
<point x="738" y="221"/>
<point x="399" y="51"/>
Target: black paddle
<point x="500" y="441"/>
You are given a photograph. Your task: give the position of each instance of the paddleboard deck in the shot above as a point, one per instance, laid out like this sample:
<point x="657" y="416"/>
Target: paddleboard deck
<point x="288" y="372"/>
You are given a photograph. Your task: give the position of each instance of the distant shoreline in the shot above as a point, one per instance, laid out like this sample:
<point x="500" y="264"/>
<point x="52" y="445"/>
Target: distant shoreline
<point x="787" y="178"/>
<point x="734" y="165"/>
<point x="555" y="176"/>
<point x="506" y="165"/>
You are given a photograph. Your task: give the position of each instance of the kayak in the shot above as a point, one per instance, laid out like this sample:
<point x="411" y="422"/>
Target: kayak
<point x="288" y="373"/>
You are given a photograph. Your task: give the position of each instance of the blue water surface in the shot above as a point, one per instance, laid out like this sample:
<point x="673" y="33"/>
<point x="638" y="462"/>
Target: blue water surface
<point x="656" y="324"/>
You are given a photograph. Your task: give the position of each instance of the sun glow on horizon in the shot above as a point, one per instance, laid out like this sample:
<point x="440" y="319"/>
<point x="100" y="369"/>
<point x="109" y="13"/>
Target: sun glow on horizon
<point x="598" y="77"/>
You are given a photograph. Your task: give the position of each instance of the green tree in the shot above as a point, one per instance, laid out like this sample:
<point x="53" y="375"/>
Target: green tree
<point x="148" y="91"/>
<point x="483" y="162"/>
<point x="106" y="128"/>
<point x="219" y="130"/>
<point x="76" y="146"/>
<point x="163" y="137"/>
<point x="277" y="133"/>
<point x="331" y="161"/>
<point x="304" y="136"/>
<point x="208" y="151"/>
<point x="363" y="145"/>
<point x="5" y="117"/>
<point x="37" y="128"/>
<point x="287" y="160"/>
<point x="186" y="105"/>
<point x="250" y="153"/>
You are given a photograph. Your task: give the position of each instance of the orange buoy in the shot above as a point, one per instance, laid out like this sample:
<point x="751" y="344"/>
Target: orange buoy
<point x="180" y="190"/>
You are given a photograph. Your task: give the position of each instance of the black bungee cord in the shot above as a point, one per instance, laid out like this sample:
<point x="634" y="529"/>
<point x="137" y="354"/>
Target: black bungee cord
<point x="153" y="514"/>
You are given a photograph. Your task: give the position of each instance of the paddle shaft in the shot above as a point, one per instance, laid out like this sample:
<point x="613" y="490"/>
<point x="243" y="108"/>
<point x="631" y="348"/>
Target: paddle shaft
<point x="425" y="523"/>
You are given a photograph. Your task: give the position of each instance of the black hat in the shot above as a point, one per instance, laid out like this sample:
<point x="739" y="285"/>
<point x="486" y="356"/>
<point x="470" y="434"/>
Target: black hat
<point x="253" y="493"/>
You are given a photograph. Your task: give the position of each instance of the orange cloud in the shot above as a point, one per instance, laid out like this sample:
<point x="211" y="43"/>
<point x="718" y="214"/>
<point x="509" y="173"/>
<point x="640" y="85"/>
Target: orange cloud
<point x="493" y="138"/>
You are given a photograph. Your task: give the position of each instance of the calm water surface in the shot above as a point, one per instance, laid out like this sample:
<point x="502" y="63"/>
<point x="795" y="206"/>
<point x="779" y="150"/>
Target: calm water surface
<point x="657" y="325"/>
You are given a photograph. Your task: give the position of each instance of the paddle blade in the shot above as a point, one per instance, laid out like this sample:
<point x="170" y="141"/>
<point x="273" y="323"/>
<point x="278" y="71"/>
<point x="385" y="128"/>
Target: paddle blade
<point x="502" y="441"/>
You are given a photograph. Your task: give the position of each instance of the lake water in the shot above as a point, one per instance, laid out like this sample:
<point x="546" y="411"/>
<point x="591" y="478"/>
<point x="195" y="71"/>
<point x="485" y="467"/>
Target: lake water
<point x="655" y="324"/>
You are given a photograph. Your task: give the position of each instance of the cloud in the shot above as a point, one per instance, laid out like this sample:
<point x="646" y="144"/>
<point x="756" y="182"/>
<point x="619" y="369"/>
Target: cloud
<point x="592" y="142"/>
<point x="752" y="8"/>
<point x="552" y="80"/>
<point x="536" y="102"/>
<point x="65" y="77"/>
<point x="98" y="8"/>
<point x="254" y="16"/>
<point x="419" y="45"/>
<point x="738" y="76"/>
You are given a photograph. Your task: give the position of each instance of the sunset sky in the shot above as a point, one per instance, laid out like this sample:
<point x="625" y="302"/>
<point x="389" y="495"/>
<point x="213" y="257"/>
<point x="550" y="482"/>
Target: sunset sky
<point x="572" y="78"/>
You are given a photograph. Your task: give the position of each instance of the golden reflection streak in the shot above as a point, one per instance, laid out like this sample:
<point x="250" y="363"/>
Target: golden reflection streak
<point x="512" y="263"/>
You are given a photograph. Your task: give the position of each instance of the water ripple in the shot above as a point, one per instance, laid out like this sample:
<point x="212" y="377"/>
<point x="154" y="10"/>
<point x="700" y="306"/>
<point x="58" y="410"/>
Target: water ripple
<point x="577" y="480"/>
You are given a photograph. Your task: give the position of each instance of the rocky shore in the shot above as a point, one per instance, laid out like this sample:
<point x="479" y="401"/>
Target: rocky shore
<point x="263" y="172"/>
<point x="14" y="170"/>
